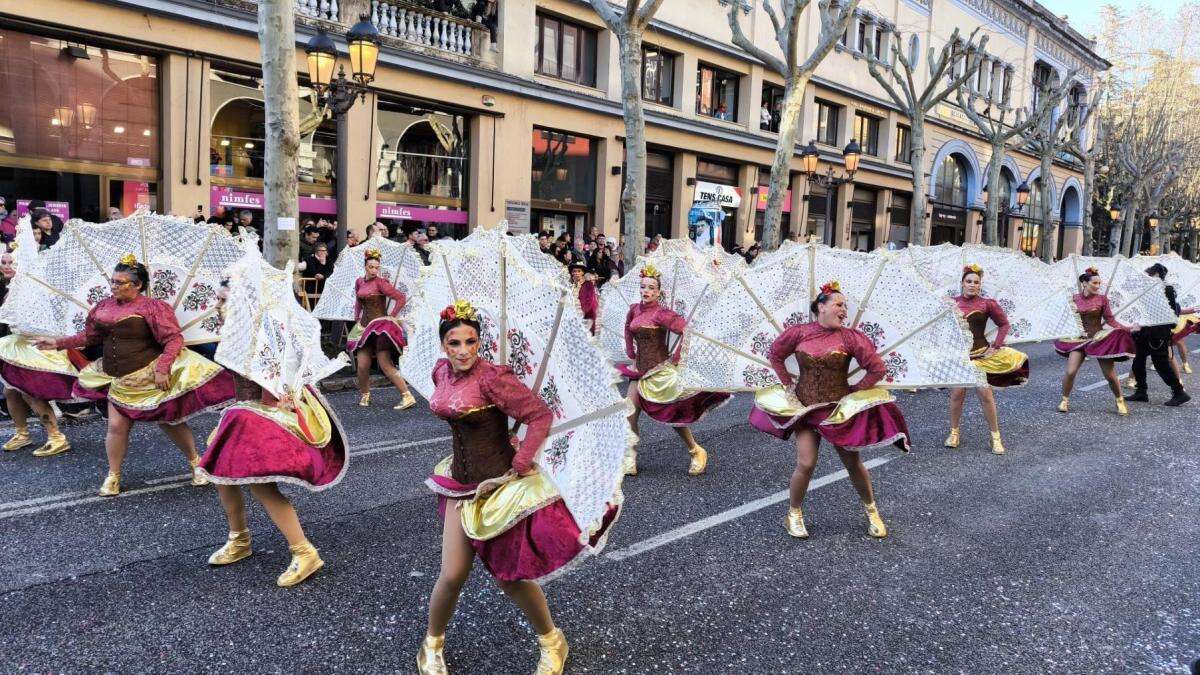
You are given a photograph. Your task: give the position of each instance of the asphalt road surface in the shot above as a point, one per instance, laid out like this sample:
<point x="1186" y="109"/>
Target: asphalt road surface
<point x="1076" y="552"/>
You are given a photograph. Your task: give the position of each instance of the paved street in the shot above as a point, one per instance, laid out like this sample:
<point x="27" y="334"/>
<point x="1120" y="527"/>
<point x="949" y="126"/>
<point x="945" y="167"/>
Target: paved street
<point x="1076" y="552"/>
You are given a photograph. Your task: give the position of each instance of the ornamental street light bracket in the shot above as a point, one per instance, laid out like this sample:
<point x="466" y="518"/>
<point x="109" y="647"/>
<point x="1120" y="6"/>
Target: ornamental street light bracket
<point x="335" y="96"/>
<point x="809" y="158"/>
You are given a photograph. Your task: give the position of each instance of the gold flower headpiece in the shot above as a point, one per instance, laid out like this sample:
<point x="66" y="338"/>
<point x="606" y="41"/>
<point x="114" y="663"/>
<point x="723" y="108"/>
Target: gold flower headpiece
<point x="650" y="271"/>
<point x="373" y="254"/>
<point x="128" y="260"/>
<point x="463" y="309"/>
<point x="973" y="268"/>
<point x="1092" y="272"/>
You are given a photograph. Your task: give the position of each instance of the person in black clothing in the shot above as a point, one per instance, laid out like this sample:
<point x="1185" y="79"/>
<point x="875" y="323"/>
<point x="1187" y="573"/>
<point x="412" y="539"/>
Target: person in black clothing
<point x="308" y="242"/>
<point x="318" y="266"/>
<point x="1155" y="342"/>
<point x="39" y="204"/>
<point x="44" y="221"/>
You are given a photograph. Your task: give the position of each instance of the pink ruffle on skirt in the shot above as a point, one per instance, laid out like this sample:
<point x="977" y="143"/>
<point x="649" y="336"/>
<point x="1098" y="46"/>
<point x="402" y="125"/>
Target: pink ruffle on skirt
<point x="1116" y="345"/>
<point x="215" y="392"/>
<point x="382" y="333"/>
<point x="38" y="384"/>
<point x="540" y="544"/>
<point x="250" y="448"/>
<point x="685" y="411"/>
<point x="872" y="428"/>
<point x="1190" y="328"/>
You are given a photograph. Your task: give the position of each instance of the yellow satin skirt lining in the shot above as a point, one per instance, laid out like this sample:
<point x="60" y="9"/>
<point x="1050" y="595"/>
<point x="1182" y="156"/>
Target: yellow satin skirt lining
<point x="1002" y="361"/>
<point x="136" y="390"/>
<point x="19" y="351"/>
<point x="485" y="518"/>
<point x="778" y="401"/>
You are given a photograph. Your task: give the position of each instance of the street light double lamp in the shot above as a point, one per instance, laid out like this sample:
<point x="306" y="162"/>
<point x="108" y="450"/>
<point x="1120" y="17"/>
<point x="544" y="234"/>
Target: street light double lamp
<point x="808" y="164"/>
<point x="336" y="95"/>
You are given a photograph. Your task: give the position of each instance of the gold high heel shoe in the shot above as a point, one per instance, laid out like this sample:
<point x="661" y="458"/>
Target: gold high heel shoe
<point x="629" y="465"/>
<point x="236" y="548"/>
<point x="406" y="401"/>
<point x="364" y="401"/>
<point x="553" y="648"/>
<point x="305" y="561"/>
<point x="198" y="478"/>
<point x="1065" y="404"/>
<point x="875" y="526"/>
<point x="997" y="445"/>
<point x="953" y="439"/>
<point x="56" y="444"/>
<point x="430" y="659"/>
<point x="1187" y="368"/>
<point x="699" y="461"/>
<point x="795" y="523"/>
<point x="19" y="440"/>
<point x="111" y="486"/>
<point x="1121" y="409"/>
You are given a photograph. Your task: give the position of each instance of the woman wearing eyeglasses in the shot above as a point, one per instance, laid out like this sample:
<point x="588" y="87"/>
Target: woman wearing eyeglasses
<point x="145" y="373"/>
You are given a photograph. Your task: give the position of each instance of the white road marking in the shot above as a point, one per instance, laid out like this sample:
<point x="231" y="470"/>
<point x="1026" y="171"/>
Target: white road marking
<point x="681" y="532"/>
<point x="69" y="499"/>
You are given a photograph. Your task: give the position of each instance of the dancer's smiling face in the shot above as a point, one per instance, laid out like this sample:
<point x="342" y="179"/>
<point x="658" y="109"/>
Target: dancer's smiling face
<point x="650" y="290"/>
<point x="832" y="312"/>
<point x="1092" y="286"/>
<point x="461" y="345"/>
<point x="971" y="285"/>
<point x="372" y="268"/>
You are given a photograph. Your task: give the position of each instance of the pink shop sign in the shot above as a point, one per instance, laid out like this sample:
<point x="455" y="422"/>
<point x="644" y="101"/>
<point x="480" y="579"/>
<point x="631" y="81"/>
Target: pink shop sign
<point x="237" y="199"/>
<point x="406" y="212"/>
<point x="60" y="209"/>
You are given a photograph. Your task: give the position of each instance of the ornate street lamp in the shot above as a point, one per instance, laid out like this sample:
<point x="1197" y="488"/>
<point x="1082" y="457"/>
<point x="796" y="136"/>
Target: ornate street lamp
<point x="808" y="164"/>
<point x="1022" y="195"/>
<point x="1115" y="213"/>
<point x="335" y="96"/>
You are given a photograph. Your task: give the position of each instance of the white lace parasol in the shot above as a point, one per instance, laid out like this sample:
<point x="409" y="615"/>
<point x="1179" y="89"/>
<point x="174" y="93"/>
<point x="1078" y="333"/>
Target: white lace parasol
<point x="267" y="336"/>
<point x="399" y="264"/>
<point x="531" y="322"/>
<point x="1135" y="297"/>
<point x="689" y="276"/>
<point x="185" y="261"/>
<point x="917" y="331"/>
<point x="1035" y="298"/>
<point x="1184" y="275"/>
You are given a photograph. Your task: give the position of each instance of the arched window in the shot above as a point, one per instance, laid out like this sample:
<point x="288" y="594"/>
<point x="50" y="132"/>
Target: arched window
<point x="1005" y="196"/>
<point x="951" y="185"/>
<point x="1031" y="235"/>
<point x="239" y="139"/>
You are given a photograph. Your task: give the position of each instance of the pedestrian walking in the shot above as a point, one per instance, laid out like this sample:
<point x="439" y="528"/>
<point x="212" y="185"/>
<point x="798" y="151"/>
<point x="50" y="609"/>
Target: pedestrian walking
<point x="1154" y="342"/>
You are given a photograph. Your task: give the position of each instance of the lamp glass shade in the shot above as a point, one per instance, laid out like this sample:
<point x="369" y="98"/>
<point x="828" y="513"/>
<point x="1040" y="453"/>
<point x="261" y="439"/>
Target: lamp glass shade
<point x="87" y="114"/>
<point x="809" y="158"/>
<point x="322" y="57"/>
<point x="1115" y="214"/>
<point x="851" y="155"/>
<point x="65" y="116"/>
<point x="1022" y="194"/>
<point x="363" y="38"/>
<point x="1154" y="222"/>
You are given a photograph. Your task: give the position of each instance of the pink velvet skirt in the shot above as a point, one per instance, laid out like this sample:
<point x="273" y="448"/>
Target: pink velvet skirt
<point x="681" y="412"/>
<point x="382" y="333"/>
<point x="250" y="448"/>
<point x="874" y="427"/>
<point x="1189" y="328"/>
<point x="1116" y="345"/>
<point x="38" y="384"/>
<point x="540" y="545"/>
<point x="217" y="391"/>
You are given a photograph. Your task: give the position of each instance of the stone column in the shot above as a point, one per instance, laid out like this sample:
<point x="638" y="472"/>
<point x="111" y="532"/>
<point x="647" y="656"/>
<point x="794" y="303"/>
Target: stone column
<point x="185" y="135"/>
<point x="684" y="168"/>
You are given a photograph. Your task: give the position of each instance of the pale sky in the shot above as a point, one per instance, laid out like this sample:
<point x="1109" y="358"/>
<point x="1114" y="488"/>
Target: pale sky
<point x="1083" y="13"/>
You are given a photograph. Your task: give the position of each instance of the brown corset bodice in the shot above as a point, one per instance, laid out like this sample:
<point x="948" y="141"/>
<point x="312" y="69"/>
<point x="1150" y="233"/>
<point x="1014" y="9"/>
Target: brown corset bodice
<point x="651" y="342"/>
<point x="977" y="322"/>
<point x="129" y="346"/>
<point x="822" y="379"/>
<point x="481" y="446"/>
<point x="373" y="307"/>
<point x="1093" y="321"/>
<point x="246" y="389"/>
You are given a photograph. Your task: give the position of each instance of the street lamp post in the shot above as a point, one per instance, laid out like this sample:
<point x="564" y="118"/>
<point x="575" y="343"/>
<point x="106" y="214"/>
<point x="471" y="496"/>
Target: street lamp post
<point x="808" y="164"/>
<point x="334" y="97"/>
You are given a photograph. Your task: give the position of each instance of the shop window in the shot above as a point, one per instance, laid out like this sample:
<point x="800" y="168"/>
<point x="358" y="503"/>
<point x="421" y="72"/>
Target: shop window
<point x="866" y="130"/>
<point x="564" y="167"/>
<point x="899" y="216"/>
<point x="658" y="76"/>
<point x="903" y="144"/>
<point x="717" y="93"/>
<point x="566" y="50"/>
<point x="951" y="185"/>
<point x="828" y="116"/>
<point x="772" y="108"/>
<point x="423" y="152"/>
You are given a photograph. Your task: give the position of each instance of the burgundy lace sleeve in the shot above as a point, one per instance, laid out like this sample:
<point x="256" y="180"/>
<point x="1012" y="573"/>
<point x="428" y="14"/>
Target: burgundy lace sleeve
<point x="783" y="347"/>
<point x="1108" y="314"/>
<point x="440" y="370"/>
<point x="357" y="305"/>
<point x="165" y="327"/>
<point x="90" y="335"/>
<point x="671" y="320"/>
<point x="398" y="297"/>
<point x="997" y="315"/>
<point x="629" y="331"/>
<point x="514" y="399"/>
<point x="863" y="351"/>
<point x="587" y="300"/>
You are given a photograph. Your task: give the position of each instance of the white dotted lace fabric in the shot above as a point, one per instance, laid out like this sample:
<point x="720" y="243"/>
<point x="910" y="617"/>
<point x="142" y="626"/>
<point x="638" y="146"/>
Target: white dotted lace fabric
<point x="919" y="335"/>
<point x="1182" y="274"/>
<point x="399" y="264"/>
<point x="1035" y="298"/>
<point x="1135" y="297"/>
<point x="267" y="336"/>
<point x="536" y="327"/>
<point x="53" y="291"/>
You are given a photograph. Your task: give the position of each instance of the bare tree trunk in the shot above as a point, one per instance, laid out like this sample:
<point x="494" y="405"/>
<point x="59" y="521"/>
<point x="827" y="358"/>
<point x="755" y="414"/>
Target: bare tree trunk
<point x="1047" y="234"/>
<point x="633" y="197"/>
<point x="991" y="221"/>
<point x="277" y="36"/>
<point x="1089" y="189"/>
<point x="785" y="148"/>
<point x="917" y="220"/>
<point x="1127" y="227"/>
